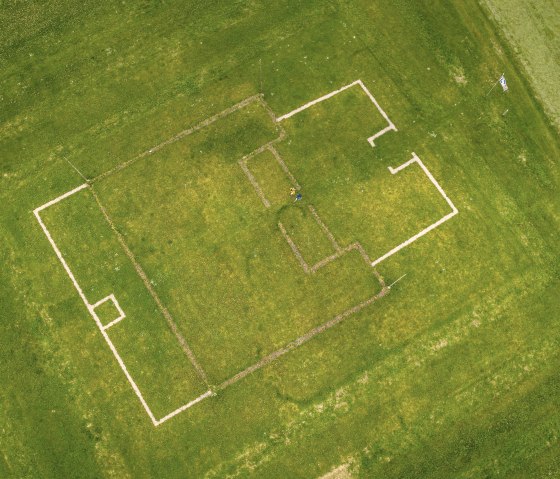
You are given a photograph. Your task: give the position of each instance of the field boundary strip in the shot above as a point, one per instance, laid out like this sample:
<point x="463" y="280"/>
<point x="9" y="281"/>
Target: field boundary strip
<point x="360" y="83"/>
<point x="426" y="230"/>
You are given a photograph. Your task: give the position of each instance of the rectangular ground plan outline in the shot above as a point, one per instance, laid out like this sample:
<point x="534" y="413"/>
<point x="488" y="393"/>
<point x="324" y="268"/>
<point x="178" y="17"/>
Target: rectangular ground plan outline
<point x="91" y="309"/>
<point x="240" y="375"/>
<point x="212" y="390"/>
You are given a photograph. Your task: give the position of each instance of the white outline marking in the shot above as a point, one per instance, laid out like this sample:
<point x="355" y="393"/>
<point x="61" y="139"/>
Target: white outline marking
<point x="36" y="211"/>
<point x="454" y="210"/>
<point x="317" y="100"/>
<point x="91" y="309"/>
<point x="293" y="344"/>
<point x="116" y="305"/>
<point x="371" y="139"/>
<point x="184" y="407"/>
<point x="379" y="133"/>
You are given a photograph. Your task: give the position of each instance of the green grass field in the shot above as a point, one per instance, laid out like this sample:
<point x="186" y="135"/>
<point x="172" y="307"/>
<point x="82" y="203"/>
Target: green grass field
<point x="264" y="308"/>
<point x="532" y="29"/>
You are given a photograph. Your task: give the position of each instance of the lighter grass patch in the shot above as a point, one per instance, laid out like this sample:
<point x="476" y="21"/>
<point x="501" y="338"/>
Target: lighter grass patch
<point x="442" y="343"/>
<point x="344" y="471"/>
<point x="14" y="127"/>
<point x="60" y="363"/>
<point x="458" y="74"/>
<point x="243" y="464"/>
<point x="531" y="27"/>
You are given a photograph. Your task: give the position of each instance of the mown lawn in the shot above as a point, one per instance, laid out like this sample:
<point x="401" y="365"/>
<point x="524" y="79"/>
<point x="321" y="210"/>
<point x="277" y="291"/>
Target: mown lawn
<point x="453" y="374"/>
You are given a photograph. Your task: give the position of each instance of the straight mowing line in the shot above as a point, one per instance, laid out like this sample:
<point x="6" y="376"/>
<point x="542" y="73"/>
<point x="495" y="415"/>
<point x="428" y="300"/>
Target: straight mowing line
<point x="396" y="281"/>
<point x="76" y="169"/>
<point x="173" y="326"/>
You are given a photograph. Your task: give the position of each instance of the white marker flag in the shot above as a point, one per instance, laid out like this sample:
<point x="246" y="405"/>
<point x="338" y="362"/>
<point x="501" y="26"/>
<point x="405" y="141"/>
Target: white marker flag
<point x="503" y="83"/>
